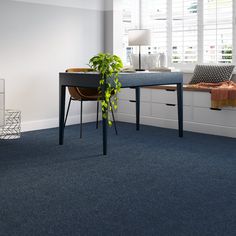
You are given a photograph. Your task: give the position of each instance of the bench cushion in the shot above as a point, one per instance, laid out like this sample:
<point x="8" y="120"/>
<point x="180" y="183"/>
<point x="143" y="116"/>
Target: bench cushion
<point x="212" y="73"/>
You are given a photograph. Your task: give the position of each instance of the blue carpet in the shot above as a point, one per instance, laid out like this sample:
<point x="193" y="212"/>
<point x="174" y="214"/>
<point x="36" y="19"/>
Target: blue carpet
<point x="151" y="183"/>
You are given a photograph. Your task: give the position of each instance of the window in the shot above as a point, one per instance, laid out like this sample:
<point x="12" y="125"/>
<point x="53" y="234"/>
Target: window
<point x="154" y="17"/>
<point x="130" y="20"/>
<point x="218" y="31"/>
<point x="184" y="31"/>
<point x="188" y="31"/>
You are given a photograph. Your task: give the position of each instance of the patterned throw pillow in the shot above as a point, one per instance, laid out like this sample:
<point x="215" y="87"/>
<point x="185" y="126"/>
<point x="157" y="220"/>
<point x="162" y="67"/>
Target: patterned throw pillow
<point x="212" y="73"/>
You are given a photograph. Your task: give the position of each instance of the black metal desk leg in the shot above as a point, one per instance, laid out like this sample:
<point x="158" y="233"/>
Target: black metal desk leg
<point x="137" y="94"/>
<point x="104" y="126"/>
<point x="180" y="108"/>
<point x="104" y="120"/>
<point x="62" y="96"/>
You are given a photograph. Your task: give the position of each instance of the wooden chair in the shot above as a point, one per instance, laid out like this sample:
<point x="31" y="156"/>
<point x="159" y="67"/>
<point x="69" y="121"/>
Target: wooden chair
<point x="84" y="94"/>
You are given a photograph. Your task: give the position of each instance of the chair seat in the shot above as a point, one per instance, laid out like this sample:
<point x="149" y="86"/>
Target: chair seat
<point x="85" y="94"/>
<point x="87" y="98"/>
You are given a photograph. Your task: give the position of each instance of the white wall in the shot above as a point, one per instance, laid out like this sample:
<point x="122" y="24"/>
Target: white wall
<point x="108" y="24"/>
<point x="37" y="42"/>
<point x="2" y="102"/>
<point x="108" y="5"/>
<point x="82" y="4"/>
<point x="113" y="27"/>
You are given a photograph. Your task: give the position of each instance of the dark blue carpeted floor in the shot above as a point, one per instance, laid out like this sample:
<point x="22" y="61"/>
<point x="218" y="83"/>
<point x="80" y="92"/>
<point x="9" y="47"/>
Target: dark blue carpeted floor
<point x="151" y="183"/>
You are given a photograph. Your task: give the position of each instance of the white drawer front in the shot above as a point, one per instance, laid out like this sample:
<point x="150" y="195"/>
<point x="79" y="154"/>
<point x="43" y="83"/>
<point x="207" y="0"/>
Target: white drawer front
<point x="214" y="117"/>
<point x="129" y="94"/>
<point x="201" y="99"/>
<point x="130" y="108"/>
<point x="146" y="95"/>
<point x="163" y="96"/>
<point x="187" y="98"/>
<point x="170" y="112"/>
<point x="169" y="96"/>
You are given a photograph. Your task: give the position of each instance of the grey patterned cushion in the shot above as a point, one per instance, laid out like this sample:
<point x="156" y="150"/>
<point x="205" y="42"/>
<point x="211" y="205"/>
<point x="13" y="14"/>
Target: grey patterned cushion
<point x="212" y="73"/>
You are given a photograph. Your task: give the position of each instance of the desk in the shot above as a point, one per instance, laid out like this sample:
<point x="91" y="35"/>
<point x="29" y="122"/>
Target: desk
<point x="134" y="80"/>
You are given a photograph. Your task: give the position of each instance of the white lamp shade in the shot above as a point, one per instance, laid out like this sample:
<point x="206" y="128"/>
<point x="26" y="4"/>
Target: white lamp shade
<point x="139" y="37"/>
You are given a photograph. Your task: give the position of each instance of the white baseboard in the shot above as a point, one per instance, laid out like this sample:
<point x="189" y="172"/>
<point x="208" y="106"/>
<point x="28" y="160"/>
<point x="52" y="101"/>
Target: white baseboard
<point x="188" y="126"/>
<point x="54" y="122"/>
<point x="153" y="121"/>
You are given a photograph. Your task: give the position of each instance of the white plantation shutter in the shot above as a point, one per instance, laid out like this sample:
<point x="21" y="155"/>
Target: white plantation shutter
<point x="188" y="31"/>
<point x="218" y="28"/>
<point x="184" y="31"/>
<point x="154" y="17"/>
<point x="130" y="20"/>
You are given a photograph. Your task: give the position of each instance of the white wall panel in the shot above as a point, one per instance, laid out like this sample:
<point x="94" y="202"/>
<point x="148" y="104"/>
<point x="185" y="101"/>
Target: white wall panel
<point x="84" y="4"/>
<point x="39" y="41"/>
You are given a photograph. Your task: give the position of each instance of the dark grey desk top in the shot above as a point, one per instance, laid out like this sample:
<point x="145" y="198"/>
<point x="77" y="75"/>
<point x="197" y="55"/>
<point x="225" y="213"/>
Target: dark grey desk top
<point x="150" y="78"/>
<point x="138" y="79"/>
<point x="135" y="80"/>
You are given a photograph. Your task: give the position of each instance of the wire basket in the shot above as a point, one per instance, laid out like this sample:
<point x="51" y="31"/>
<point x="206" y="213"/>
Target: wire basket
<point x="12" y="127"/>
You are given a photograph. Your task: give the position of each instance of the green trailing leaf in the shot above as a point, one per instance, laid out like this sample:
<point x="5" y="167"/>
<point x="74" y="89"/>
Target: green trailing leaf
<point x="108" y="66"/>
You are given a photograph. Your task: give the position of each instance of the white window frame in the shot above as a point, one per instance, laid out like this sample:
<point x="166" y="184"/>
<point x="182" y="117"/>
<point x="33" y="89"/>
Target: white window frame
<point x="234" y="33"/>
<point x="200" y="34"/>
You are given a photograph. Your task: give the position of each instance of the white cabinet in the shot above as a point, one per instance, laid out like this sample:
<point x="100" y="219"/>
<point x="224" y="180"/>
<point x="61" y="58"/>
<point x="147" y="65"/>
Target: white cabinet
<point x="169" y="111"/>
<point x="164" y="104"/>
<point x="169" y="96"/>
<point x="129" y="94"/>
<point x="202" y="112"/>
<point x="129" y="108"/>
<point x="201" y="99"/>
<point x="222" y="117"/>
<point x="2" y="102"/>
<point x="127" y="102"/>
<point x="159" y="108"/>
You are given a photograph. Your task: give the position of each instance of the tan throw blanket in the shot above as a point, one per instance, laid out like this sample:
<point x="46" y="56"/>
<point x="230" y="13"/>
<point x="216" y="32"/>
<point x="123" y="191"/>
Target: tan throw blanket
<point x="222" y="94"/>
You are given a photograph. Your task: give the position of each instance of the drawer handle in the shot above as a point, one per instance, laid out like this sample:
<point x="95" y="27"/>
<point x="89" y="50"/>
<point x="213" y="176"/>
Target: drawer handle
<point x="132" y="100"/>
<point x="170" y="90"/>
<point x="215" y="109"/>
<point x="170" y="105"/>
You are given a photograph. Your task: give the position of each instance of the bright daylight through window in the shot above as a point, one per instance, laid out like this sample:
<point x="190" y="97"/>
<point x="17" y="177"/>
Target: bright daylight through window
<point x="187" y="31"/>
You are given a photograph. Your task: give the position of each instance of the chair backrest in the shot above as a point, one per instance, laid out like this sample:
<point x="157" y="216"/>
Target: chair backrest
<point x="82" y="93"/>
<point x="79" y="70"/>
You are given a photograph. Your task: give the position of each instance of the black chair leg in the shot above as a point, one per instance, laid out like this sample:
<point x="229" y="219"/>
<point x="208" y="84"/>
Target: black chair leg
<point x="113" y="117"/>
<point x="97" y="114"/>
<point x="67" y="112"/>
<point x="81" y="115"/>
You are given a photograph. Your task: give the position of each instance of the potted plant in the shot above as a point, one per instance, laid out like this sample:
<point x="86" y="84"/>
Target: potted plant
<point x="109" y="67"/>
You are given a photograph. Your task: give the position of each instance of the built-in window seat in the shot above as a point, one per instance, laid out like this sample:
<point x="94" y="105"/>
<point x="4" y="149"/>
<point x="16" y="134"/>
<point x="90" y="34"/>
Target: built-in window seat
<point x="159" y="108"/>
